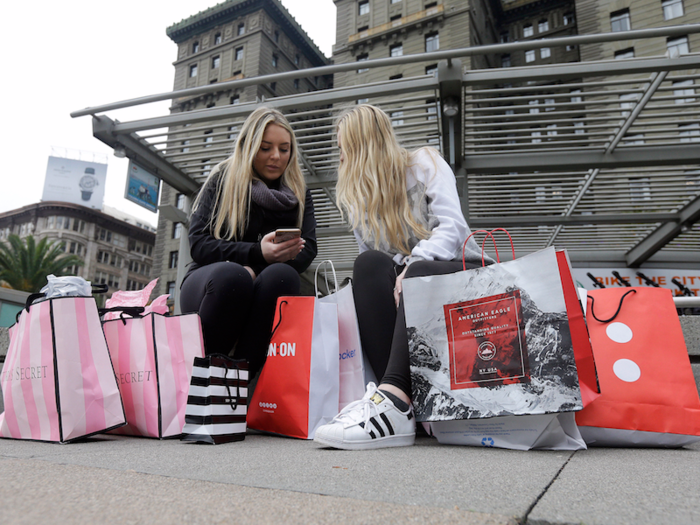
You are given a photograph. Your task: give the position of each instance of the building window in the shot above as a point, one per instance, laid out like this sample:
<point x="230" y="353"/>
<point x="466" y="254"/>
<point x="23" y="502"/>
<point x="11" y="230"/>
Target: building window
<point x="275" y="60"/>
<point x="536" y="137"/>
<point x="431" y="70"/>
<point x="239" y="54"/>
<point x="397" y="118"/>
<point x="297" y="59"/>
<point x="241" y="29"/>
<point x="217" y="39"/>
<point x="195" y="47"/>
<point x="185" y="144"/>
<point x="634" y="139"/>
<point x="296" y="83"/>
<point x="624" y="54"/>
<point x="534" y="103"/>
<point x="396" y="50"/>
<point x="551" y="130"/>
<point x="575" y="97"/>
<point x="431" y="110"/>
<point x="396" y="77"/>
<point x="363" y="8"/>
<point x="180" y="201"/>
<point x="685" y="89"/>
<point x="362" y="58"/>
<point x="620" y="21"/>
<point x="628" y="101"/>
<point x="543" y="26"/>
<point x="395" y="2"/>
<point x="215" y="61"/>
<point x="688" y="132"/>
<point x="579" y="127"/>
<point x="177" y="230"/>
<point x="677" y="46"/>
<point x="640" y="188"/>
<point x="362" y="101"/>
<point x="273" y="86"/>
<point x="528" y="30"/>
<point x="505" y="60"/>
<point x="208" y="140"/>
<point x="545" y="52"/>
<point x="172" y="261"/>
<point x="530" y="55"/>
<point x="193" y="70"/>
<point x="568" y="19"/>
<point x="672" y="8"/>
<point x="504" y="37"/>
<point x="432" y="42"/>
<point x="206" y="167"/>
<point x="549" y="104"/>
<point x="277" y="37"/>
<point x="171" y="288"/>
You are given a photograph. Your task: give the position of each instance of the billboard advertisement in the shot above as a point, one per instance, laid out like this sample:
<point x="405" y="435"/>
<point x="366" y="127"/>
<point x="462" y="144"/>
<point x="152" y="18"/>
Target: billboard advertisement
<point x="142" y="187"/>
<point x="76" y="181"/>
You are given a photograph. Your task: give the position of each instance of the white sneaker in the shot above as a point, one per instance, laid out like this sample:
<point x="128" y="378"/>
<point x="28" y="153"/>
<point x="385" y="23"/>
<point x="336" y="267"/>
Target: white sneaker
<point x="372" y="422"/>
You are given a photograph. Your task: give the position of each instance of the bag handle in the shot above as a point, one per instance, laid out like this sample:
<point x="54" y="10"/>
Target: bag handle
<point x="327" y="262"/>
<point x="619" y="307"/>
<point x="483" y="245"/>
<point x="132" y="311"/>
<point x="279" y="321"/>
<point x="225" y="360"/>
<point x="96" y="288"/>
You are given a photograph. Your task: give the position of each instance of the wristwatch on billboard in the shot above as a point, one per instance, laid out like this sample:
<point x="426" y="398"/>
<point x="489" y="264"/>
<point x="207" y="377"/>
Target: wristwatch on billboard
<point x="87" y="183"/>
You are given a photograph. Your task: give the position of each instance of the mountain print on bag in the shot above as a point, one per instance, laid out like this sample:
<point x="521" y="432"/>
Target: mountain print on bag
<point x="551" y="384"/>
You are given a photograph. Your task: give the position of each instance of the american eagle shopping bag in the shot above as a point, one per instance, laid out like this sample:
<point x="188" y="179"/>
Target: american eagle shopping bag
<point x="152" y="357"/>
<point x="648" y="392"/>
<point x="297" y="390"/>
<point x="58" y="383"/>
<point x="495" y="343"/>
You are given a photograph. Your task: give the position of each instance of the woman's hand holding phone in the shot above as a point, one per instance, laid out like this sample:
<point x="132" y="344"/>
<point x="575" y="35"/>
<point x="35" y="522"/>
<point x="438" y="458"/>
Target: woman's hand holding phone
<point x="282" y="245"/>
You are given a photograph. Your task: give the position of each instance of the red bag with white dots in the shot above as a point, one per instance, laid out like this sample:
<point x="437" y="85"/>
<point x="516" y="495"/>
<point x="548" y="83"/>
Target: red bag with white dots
<point x="648" y="393"/>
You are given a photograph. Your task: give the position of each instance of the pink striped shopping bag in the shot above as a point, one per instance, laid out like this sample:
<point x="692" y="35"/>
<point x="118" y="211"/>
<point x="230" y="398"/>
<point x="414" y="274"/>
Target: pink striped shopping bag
<point x="152" y="357"/>
<point x="58" y="382"/>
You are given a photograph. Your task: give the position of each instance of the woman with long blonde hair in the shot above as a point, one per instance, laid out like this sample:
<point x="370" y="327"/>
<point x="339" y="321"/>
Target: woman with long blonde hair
<point x="238" y="269"/>
<point x="406" y="215"/>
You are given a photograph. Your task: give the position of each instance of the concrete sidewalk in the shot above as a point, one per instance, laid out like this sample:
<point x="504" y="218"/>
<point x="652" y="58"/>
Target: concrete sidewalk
<point x="267" y="479"/>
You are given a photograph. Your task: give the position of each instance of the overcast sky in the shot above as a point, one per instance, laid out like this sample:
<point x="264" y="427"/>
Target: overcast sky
<point x="64" y="56"/>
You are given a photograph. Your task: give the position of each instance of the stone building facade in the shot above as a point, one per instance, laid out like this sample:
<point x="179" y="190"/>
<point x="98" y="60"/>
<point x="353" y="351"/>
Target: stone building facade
<point x="116" y="252"/>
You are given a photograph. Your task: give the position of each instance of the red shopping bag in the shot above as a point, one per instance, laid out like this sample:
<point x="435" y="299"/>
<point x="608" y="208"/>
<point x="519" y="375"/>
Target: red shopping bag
<point x="58" y="383"/>
<point x="583" y="351"/>
<point x="297" y="390"/>
<point x="152" y="357"/>
<point x="648" y="392"/>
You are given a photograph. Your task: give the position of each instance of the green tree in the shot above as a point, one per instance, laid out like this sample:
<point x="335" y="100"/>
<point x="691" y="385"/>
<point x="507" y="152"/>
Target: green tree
<point x="26" y="264"/>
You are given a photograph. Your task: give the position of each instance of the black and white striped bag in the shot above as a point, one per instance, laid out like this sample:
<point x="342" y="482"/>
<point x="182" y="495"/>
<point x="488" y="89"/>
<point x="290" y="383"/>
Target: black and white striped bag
<point x="218" y="400"/>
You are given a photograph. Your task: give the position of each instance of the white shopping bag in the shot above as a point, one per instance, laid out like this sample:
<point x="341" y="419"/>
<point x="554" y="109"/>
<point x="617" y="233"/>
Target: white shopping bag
<point x="540" y="432"/>
<point x="351" y="364"/>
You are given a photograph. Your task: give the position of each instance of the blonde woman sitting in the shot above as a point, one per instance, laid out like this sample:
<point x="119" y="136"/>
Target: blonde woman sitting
<point x="238" y="271"/>
<point x="408" y="222"/>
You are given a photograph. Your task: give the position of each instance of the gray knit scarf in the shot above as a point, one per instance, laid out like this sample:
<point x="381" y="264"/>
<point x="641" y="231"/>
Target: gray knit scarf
<point x="282" y="199"/>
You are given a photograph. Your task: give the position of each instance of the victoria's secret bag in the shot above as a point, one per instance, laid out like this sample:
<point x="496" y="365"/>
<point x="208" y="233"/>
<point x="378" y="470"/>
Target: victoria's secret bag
<point x="58" y="383"/>
<point x="152" y="357"/>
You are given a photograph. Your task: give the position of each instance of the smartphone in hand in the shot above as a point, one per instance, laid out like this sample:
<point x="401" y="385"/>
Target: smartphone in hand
<point x="286" y="234"/>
